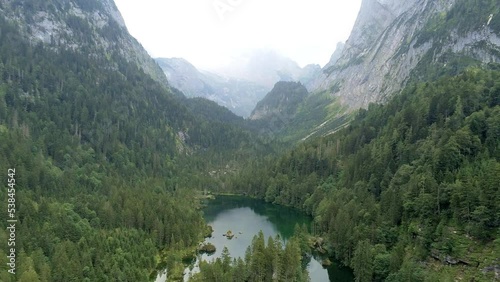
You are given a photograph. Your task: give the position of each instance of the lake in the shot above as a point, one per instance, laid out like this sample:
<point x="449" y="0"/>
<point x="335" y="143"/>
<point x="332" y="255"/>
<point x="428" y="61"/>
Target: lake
<point x="245" y="217"/>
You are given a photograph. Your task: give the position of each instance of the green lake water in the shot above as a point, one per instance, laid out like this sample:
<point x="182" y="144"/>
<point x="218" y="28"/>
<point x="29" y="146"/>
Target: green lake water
<point x="245" y="217"/>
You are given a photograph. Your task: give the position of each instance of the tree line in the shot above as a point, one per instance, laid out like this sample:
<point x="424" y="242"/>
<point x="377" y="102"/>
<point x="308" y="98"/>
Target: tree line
<point x="405" y="185"/>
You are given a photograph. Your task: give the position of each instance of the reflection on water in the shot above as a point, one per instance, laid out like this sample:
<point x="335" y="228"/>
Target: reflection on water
<point x="162" y="277"/>
<point x="245" y="217"/>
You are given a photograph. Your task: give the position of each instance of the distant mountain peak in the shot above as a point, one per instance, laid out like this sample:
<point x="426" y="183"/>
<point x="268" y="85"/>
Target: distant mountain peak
<point x="266" y="67"/>
<point x="244" y="86"/>
<point x="240" y="96"/>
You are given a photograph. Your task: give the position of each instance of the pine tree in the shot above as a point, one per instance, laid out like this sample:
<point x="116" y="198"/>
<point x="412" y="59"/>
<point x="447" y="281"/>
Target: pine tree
<point x="362" y="261"/>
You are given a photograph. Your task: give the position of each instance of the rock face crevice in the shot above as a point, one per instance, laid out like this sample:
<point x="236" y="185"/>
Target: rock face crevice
<point x="390" y="39"/>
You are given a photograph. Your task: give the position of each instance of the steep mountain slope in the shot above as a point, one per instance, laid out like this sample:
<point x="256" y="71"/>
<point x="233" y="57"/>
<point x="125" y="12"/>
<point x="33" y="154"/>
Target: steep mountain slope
<point x="283" y="100"/>
<point x="408" y="191"/>
<point x="393" y="43"/>
<point x="391" y="40"/>
<point x="105" y="158"/>
<point x="336" y="55"/>
<point x="92" y="27"/>
<point x="238" y="95"/>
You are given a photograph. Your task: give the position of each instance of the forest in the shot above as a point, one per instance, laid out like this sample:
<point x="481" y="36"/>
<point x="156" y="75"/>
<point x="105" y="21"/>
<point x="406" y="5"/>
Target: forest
<point x="109" y="166"/>
<point x="262" y="262"/>
<point x="409" y="190"/>
<point x="105" y="163"/>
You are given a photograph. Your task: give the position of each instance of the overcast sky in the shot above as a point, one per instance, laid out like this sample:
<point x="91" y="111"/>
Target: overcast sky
<point x="208" y="33"/>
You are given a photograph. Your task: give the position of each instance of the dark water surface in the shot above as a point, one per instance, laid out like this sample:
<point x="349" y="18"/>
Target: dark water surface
<point x="245" y="217"/>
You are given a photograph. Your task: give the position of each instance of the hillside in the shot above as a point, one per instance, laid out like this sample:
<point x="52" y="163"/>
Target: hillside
<point x="395" y="154"/>
<point x="405" y="188"/>
<point x="92" y="27"/>
<point x="392" y="44"/>
<point x="283" y="100"/>
<point x="105" y="157"/>
<point x="409" y="190"/>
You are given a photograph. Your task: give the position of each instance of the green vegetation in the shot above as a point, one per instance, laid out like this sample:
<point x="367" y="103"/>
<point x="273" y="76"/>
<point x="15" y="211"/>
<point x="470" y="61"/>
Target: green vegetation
<point x="309" y="116"/>
<point x="412" y="181"/>
<point x="109" y="162"/>
<point x="207" y="248"/>
<point x="283" y="98"/>
<point x="106" y="163"/>
<point x="465" y="16"/>
<point x="263" y="262"/>
<point x="316" y="109"/>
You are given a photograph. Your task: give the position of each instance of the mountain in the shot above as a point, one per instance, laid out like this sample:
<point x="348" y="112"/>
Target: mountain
<point x="308" y="75"/>
<point x="336" y="55"/>
<point x="400" y="161"/>
<point x="104" y="162"/>
<point x="92" y="27"/>
<point x="242" y="84"/>
<point x="238" y="95"/>
<point x="394" y="42"/>
<point x="266" y="67"/>
<point x="283" y="100"/>
<point x="103" y="158"/>
<point x="408" y="191"/>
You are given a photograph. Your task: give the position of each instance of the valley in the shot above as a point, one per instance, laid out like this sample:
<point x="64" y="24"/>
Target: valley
<point x="246" y="217"/>
<point x="384" y="165"/>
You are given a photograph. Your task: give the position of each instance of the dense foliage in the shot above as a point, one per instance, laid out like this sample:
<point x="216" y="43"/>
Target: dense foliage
<point x="107" y="161"/>
<point x="283" y="98"/>
<point x="406" y="181"/>
<point x="103" y="160"/>
<point x="271" y="262"/>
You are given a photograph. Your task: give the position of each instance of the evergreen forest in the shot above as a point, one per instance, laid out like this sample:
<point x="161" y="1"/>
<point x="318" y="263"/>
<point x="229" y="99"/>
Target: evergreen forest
<point x="111" y="167"/>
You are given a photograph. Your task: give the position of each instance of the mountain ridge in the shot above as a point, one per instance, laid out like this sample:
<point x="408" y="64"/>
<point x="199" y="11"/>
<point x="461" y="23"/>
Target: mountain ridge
<point x="386" y="45"/>
<point x="111" y="162"/>
<point x="245" y="85"/>
<point x="393" y="44"/>
<point x="95" y="27"/>
<point x="238" y="95"/>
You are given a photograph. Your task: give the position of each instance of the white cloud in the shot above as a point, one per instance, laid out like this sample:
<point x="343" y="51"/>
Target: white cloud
<point x="306" y="31"/>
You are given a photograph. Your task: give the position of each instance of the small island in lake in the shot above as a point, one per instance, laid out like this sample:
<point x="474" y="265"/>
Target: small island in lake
<point x="229" y="234"/>
<point x="208" y="231"/>
<point x="207" y="248"/>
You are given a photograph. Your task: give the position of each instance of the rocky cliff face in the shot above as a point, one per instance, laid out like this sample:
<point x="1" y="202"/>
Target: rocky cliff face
<point x="184" y="76"/>
<point x="336" y="55"/>
<point x="93" y="27"/>
<point x="393" y="41"/>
